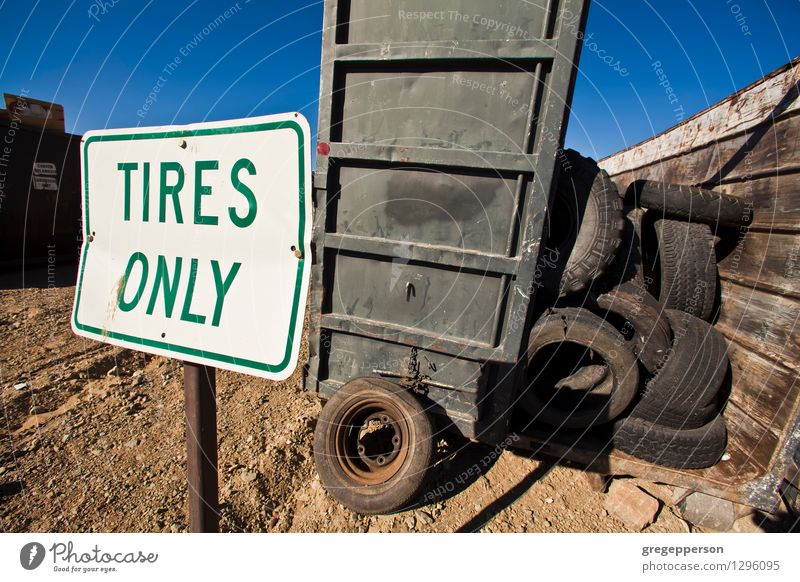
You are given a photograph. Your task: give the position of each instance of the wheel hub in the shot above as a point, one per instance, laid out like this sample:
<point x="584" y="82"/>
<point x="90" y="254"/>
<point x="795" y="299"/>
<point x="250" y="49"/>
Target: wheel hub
<point x="371" y="441"/>
<point x="378" y="440"/>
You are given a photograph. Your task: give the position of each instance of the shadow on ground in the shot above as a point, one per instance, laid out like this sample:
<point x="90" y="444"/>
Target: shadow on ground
<point x="781" y="522"/>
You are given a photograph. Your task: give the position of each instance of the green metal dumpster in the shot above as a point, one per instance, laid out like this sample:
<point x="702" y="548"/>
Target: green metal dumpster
<point x="440" y="128"/>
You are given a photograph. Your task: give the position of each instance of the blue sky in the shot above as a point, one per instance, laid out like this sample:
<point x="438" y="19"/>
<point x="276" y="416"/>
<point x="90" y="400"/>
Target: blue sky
<point x="101" y="60"/>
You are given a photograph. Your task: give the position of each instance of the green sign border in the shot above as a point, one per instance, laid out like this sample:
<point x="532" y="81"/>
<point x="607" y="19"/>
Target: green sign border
<point x="286" y="124"/>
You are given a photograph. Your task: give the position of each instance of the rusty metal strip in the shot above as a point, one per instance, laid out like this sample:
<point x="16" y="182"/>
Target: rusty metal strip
<point x="531" y="49"/>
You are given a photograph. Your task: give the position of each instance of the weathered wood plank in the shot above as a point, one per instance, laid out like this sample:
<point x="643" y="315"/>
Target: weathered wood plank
<point x="773" y="95"/>
<point x="775" y="199"/>
<point x="773" y="150"/>
<point x="763" y="322"/>
<point x="749" y="436"/>
<point x="767" y="392"/>
<point x="745" y="448"/>
<point x="762" y="260"/>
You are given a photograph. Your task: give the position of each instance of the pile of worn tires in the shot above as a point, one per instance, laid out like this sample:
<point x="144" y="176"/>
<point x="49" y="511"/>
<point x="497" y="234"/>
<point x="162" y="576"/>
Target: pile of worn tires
<point x="625" y="342"/>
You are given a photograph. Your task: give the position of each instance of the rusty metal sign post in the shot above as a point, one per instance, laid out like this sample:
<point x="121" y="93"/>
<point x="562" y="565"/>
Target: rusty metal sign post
<point x="200" y="401"/>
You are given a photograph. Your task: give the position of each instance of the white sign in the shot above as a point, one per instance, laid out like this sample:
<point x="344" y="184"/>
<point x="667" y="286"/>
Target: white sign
<point x="44" y="169"/>
<point x="45" y="176"/>
<point x="45" y="183"/>
<point x="196" y="240"/>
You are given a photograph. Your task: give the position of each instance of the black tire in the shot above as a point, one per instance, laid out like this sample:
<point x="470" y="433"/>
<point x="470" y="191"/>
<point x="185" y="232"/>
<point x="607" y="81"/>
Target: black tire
<point x="692" y="204"/>
<point x="695" y="448"/>
<point x="627" y="263"/>
<point x="681" y="267"/>
<point x="570" y="345"/>
<point x="651" y="334"/>
<point x="683" y="394"/>
<point x="585" y="223"/>
<point x="356" y="477"/>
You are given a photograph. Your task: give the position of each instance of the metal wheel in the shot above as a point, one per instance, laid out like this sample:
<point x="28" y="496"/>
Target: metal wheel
<point x="371" y="441"/>
<point x="373" y="446"/>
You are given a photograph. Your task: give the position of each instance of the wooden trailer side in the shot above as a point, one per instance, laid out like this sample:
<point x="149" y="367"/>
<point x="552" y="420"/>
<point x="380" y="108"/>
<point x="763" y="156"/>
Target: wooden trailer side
<point x="745" y="145"/>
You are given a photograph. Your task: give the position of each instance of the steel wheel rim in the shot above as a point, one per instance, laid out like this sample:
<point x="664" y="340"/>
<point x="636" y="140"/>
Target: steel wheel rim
<point x="363" y="457"/>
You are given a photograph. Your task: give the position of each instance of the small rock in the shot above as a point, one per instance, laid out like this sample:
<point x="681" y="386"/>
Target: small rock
<point x="548" y="500"/>
<point x="2" y="470"/>
<point x="685" y="527"/>
<point x="547" y="523"/>
<point x="707" y="511"/>
<point x="249" y="476"/>
<point x="137" y="373"/>
<point x="113" y="371"/>
<point x="38" y="410"/>
<point x="631" y="505"/>
<point x="596" y="481"/>
<point x="664" y="493"/>
<point x="20" y="386"/>
<point x="679" y="494"/>
<point x="424" y="517"/>
<point x="477" y="507"/>
<point x="132" y="444"/>
<point x="748" y="524"/>
<point x="411" y="522"/>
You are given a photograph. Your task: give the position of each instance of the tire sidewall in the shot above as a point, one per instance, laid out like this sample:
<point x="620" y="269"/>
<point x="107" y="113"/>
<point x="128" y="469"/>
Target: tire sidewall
<point x="402" y="487"/>
<point x="589" y="330"/>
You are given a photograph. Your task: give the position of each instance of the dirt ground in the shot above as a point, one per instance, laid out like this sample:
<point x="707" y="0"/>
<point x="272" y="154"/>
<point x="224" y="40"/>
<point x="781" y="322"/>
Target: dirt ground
<point x="94" y="442"/>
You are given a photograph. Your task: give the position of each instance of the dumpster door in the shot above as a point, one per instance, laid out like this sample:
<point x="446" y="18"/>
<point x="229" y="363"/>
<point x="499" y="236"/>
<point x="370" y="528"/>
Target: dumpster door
<point x="440" y="127"/>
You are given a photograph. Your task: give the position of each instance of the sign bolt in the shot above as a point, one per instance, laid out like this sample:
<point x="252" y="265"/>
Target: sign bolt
<point x="297" y="252"/>
<point x="182" y="144"/>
